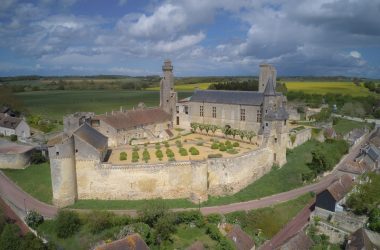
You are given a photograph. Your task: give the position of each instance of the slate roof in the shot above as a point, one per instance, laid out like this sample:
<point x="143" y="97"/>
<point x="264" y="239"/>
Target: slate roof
<point x="130" y="242"/>
<point x="132" y="118"/>
<point x="298" y="241"/>
<point x="57" y="139"/>
<point x="363" y="239"/>
<point x="10" y="122"/>
<point x="91" y="136"/>
<point x="373" y="152"/>
<point x="252" y="98"/>
<point x="280" y="114"/>
<point x="241" y="240"/>
<point x="269" y="89"/>
<point x="339" y="188"/>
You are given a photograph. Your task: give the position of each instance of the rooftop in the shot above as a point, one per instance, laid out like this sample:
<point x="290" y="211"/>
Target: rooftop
<point x="91" y="136"/>
<point x="298" y="241"/>
<point x="7" y="121"/>
<point x="339" y="188"/>
<point x="130" y="242"/>
<point x="252" y="98"/>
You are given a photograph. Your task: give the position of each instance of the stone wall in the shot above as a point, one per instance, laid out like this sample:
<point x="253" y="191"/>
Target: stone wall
<point x="188" y="179"/>
<point x="15" y="160"/>
<point x="301" y="137"/>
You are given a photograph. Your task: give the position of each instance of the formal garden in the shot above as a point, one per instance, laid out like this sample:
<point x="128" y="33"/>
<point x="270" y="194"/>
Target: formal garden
<point x="205" y="142"/>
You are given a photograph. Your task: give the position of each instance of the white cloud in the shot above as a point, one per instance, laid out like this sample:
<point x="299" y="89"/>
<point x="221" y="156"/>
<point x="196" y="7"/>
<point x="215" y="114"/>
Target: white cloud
<point x="355" y="54"/>
<point x="181" y="43"/>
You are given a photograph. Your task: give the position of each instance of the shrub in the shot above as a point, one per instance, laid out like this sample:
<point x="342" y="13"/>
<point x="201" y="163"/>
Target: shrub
<point x="235" y="144"/>
<point x="169" y="153"/>
<point x="171" y="159"/>
<point x="214" y="218"/>
<point x="166" y="144"/>
<point x="232" y="151"/>
<point x="33" y="219"/>
<point x="222" y="147"/>
<point x="123" y="156"/>
<point x="193" y="151"/>
<point x="228" y="143"/>
<point x="178" y="143"/>
<point x="188" y="217"/>
<point x="37" y="157"/>
<point x="146" y="155"/>
<point x="135" y="156"/>
<point x="140" y="228"/>
<point x="215" y="145"/>
<point x="99" y="221"/>
<point x="183" y="152"/>
<point x="67" y="223"/>
<point x="13" y="137"/>
<point x="9" y="238"/>
<point x="135" y="148"/>
<point x="159" y="154"/>
<point x="214" y="156"/>
<point x="158" y="146"/>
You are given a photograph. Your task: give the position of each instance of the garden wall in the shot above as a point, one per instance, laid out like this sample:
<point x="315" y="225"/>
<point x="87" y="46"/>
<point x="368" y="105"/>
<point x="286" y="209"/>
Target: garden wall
<point x="299" y="138"/>
<point x="188" y="179"/>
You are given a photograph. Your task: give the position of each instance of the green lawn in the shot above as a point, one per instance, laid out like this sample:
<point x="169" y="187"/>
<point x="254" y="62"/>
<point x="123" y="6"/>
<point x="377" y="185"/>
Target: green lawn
<point x="269" y="220"/>
<point x="186" y="87"/>
<point x="315" y="87"/>
<point x="34" y="180"/>
<point x="55" y="104"/>
<point x="343" y="126"/>
<point x="185" y="236"/>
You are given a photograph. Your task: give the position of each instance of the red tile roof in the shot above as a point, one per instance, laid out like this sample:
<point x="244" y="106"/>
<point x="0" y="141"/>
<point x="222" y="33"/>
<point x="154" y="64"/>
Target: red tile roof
<point x="133" y="118"/>
<point x="130" y="242"/>
<point x="341" y="187"/>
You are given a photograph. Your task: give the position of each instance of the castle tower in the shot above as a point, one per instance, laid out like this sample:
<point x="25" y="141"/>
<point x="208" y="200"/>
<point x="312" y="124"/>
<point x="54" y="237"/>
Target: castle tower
<point x="267" y="71"/>
<point x="63" y="173"/>
<point x="168" y="97"/>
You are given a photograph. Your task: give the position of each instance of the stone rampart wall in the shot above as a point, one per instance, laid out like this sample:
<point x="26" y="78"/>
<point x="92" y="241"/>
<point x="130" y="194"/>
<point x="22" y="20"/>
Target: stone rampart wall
<point x="15" y="160"/>
<point x="301" y="137"/>
<point x="188" y="179"/>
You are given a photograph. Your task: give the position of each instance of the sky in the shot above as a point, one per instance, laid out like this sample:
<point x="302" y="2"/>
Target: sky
<point x="202" y="38"/>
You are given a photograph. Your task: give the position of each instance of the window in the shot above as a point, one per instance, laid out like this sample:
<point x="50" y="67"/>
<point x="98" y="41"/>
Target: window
<point x="275" y="140"/>
<point x="177" y="109"/>
<point x="214" y="112"/>
<point x="76" y="150"/>
<point x="242" y="114"/>
<point x="57" y="153"/>
<point x="259" y="116"/>
<point x="186" y="110"/>
<point x="200" y="110"/>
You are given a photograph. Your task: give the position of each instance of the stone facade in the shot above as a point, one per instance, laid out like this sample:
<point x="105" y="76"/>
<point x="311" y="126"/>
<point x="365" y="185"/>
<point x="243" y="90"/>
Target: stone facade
<point x="300" y="137"/>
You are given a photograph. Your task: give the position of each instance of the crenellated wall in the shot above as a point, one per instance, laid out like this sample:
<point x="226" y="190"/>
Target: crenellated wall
<point x="189" y="179"/>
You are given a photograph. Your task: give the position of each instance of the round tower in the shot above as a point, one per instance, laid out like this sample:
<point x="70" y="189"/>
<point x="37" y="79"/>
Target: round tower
<point x="168" y="97"/>
<point x="63" y="172"/>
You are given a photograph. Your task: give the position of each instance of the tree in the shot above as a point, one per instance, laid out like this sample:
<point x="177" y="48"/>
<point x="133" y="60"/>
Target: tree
<point x="214" y="128"/>
<point x="151" y="213"/>
<point x="67" y="223"/>
<point x="249" y="135"/>
<point x="165" y="226"/>
<point x="207" y="127"/>
<point x="354" y="109"/>
<point x="234" y="132"/>
<point x="34" y="219"/>
<point x="226" y="130"/>
<point x="201" y="127"/>
<point x="241" y="134"/>
<point x="374" y="220"/>
<point x="194" y="126"/>
<point x="9" y="238"/>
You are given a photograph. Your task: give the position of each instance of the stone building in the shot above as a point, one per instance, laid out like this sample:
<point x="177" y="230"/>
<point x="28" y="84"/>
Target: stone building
<point x="13" y="126"/>
<point x="263" y="111"/>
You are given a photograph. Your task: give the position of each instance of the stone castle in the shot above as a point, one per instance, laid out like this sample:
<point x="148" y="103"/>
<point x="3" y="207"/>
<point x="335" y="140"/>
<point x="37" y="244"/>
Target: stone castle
<point x="78" y="156"/>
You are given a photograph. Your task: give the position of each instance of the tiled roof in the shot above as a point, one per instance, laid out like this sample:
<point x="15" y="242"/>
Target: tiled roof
<point x="339" y="188"/>
<point x="252" y="98"/>
<point x="241" y="240"/>
<point x="298" y="241"/>
<point x="280" y="115"/>
<point x="130" y="242"/>
<point x="91" y="136"/>
<point x="373" y="152"/>
<point x="132" y="118"/>
<point x="375" y="138"/>
<point x="9" y="121"/>
<point x="57" y="139"/>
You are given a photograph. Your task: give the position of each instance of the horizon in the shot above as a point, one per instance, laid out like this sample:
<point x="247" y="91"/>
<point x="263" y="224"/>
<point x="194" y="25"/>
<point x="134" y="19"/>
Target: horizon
<point x="213" y="38"/>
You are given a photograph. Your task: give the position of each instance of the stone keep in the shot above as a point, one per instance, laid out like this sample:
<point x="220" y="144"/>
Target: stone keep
<point x="267" y="72"/>
<point x="168" y="97"/>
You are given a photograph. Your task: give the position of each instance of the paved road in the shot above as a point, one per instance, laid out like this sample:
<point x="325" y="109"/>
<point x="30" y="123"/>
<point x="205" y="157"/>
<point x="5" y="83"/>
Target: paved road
<point x="11" y="193"/>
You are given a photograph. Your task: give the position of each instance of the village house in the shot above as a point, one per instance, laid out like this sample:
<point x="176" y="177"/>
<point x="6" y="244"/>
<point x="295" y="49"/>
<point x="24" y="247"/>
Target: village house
<point x="241" y="239"/>
<point x="13" y="126"/>
<point x="130" y="242"/>
<point x="363" y="239"/>
<point x="298" y="241"/>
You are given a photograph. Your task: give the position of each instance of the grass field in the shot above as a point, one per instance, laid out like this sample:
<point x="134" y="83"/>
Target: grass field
<point x="34" y="180"/>
<point x="55" y="104"/>
<point x="269" y="220"/>
<point x="343" y="126"/>
<point x="321" y="88"/>
<point x="186" y="87"/>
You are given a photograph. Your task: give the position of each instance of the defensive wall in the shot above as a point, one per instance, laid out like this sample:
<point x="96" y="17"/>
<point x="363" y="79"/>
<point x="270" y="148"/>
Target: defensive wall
<point x="15" y="156"/>
<point x="186" y="179"/>
<point x="298" y="138"/>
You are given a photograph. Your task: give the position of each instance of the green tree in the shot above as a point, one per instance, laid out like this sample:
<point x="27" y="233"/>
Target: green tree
<point x="34" y="219"/>
<point x="214" y="128"/>
<point x="67" y="223"/>
<point x="164" y="227"/>
<point x="374" y="220"/>
<point x="194" y="126"/>
<point x="9" y="238"/>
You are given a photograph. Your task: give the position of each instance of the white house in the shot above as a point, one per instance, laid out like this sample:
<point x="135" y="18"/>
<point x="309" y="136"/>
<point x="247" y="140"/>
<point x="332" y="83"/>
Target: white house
<point x="13" y="126"/>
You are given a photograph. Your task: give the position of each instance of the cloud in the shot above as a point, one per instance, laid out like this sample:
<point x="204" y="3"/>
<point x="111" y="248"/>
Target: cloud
<point x="181" y="43"/>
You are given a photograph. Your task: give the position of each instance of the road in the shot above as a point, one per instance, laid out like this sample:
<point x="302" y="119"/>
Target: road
<point x="13" y="195"/>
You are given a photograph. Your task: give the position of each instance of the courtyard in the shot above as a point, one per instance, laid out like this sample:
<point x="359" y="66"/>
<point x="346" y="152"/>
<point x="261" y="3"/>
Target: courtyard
<point x="193" y="146"/>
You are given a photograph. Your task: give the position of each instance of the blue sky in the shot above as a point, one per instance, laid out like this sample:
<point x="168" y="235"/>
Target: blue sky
<point x="213" y="37"/>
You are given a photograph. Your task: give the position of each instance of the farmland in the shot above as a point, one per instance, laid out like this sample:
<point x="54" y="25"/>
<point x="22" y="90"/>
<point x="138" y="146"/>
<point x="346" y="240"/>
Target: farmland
<point x="55" y="104"/>
<point x="186" y="87"/>
<point x="333" y="87"/>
